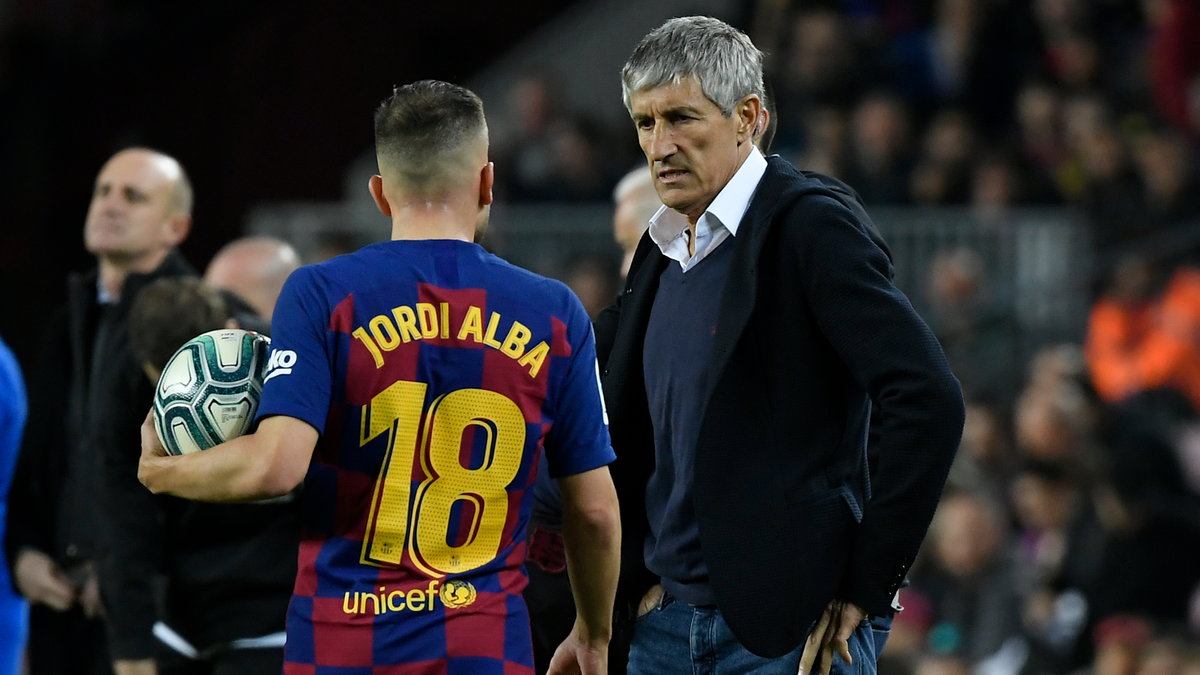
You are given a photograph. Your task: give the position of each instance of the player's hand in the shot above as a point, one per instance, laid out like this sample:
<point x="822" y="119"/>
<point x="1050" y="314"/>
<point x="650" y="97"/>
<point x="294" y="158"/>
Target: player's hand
<point x="40" y="580"/>
<point x="833" y="630"/>
<point x="151" y="446"/>
<point x="153" y="452"/>
<point x="577" y="656"/>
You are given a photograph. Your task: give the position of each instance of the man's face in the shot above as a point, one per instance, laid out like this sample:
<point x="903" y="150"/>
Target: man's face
<point x="131" y="214"/>
<point x="693" y="150"/>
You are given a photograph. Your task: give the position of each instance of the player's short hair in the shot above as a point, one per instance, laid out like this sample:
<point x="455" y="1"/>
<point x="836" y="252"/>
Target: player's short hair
<point x="168" y="313"/>
<point x="722" y="58"/>
<point x="421" y="131"/>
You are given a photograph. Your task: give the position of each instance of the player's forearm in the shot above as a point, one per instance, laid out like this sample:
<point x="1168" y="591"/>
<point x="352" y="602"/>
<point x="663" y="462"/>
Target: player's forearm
<point x="268" y="463"/>
<point x="236" y="470"/>
<point x="593" y="541"/>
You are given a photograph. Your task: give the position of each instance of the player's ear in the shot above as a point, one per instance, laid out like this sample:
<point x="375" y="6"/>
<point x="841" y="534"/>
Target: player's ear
<point x="375" y="185"/>
<point x="487" y="178"/>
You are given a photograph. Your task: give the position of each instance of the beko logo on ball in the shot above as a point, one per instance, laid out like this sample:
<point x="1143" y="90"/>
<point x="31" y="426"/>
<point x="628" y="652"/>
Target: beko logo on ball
<point x="281" y="363"/>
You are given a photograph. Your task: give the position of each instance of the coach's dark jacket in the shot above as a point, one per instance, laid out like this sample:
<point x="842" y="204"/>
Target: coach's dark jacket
<point x="811" y="331"/>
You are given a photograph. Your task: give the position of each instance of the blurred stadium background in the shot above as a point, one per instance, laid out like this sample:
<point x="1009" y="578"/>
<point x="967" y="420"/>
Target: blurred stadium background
<point x="1017" y="154"/>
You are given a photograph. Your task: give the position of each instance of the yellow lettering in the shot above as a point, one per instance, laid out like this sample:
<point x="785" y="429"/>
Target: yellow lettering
<point x="362" y="336"/>
<point x="489" y="338"/>
<point x="427" y="319"/>
<point x="416" y="600"/>
<point x="407" y="321"/>
<point x="534" y="357"/>
<point x="392" y="596"/>
<point x="384" y="333"/>
<point x="346" y="598"/>
<point x="518" y="337"/>
<point x="445" y="323"/>
<point x="472" y="325"/>
<point x="374" y="601"/>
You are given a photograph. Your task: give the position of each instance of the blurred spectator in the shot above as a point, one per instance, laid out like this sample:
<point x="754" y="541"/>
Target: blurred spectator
<point x="253" y="269"/>
<point x="975" y="330"/>
<point x="1053" y="423"/>
<point x="826" y="147"/>
<point x="1171" y="195"/>
<point x="1059" y="544"/>
<point x="969" y="579"/>
<point x="527" y="154"/>
<point x="817" y="66"/>
<point x="551" y="155"/>
<point x="636" y="203"/>
<point x="227" y="570"/>
<point x="1110" y="199"/>
<point x="1175" y="63"/>
<point x="1119" y="643"/>
<point x="593" y="278"/>
<point x="942" y="173"/>
<point x="1040" y="140"/>
<point x="984" y="464"/>
<point x="1164" y="655"/>
<point x="880" y="161"/>
<point x="942" y="664"/>
<point x="1148" y="562"/>
<point x="997" y="187"/>
<point x="1140" y="332"/>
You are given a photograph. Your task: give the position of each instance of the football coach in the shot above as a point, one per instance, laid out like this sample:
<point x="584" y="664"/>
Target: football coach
<point x="758" y="329"/>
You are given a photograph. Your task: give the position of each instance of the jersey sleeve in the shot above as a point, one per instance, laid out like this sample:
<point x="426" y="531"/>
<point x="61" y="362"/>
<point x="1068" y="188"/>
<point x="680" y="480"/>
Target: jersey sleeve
<point x="578" y="441"/>
<point x="299" y="380"/>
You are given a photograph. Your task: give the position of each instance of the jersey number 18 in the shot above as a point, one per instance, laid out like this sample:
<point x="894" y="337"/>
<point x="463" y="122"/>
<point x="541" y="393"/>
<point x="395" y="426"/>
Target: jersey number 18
<point x="417" y="517"/>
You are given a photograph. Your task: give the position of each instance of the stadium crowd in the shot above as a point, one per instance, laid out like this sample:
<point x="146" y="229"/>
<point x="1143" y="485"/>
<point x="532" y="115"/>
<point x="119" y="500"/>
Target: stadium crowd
<point x="1068" y="538"/>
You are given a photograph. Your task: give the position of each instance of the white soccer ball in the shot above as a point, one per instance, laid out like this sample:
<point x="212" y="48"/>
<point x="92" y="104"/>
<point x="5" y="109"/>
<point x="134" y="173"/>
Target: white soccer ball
<point x="209" y="390"/>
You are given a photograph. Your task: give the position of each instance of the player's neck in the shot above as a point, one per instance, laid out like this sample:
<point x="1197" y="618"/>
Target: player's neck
<point x="433" y="219"/>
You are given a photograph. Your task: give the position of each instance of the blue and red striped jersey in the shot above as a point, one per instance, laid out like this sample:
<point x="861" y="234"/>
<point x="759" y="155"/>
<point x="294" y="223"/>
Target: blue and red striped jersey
<point x="434" y="372"/>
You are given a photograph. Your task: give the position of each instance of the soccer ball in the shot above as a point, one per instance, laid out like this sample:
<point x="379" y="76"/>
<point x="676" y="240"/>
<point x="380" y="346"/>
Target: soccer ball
<point x="209" y="390"/>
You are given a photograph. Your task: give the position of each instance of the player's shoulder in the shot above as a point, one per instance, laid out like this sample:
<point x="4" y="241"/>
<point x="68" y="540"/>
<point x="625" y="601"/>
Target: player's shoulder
<point x="333" y="270"/>
<point x="525" y="281"/>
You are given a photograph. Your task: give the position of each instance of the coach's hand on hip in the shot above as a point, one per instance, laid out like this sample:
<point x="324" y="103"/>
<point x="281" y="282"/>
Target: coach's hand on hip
<point x="832" y="630"/>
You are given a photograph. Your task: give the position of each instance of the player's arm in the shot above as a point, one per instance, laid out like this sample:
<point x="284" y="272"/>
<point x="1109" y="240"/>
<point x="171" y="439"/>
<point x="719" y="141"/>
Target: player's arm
<point x="267" y="463"/>
<point x="592" y="533"/>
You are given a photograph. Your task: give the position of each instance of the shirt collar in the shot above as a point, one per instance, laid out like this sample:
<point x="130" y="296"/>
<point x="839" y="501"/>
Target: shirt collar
<point x="727" y="208"/>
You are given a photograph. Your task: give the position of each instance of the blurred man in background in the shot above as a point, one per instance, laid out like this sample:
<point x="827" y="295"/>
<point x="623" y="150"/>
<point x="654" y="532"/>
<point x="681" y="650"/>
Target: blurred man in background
<point x="227" y="568"/>
<point x="69" y="517"/>
<point x="254" y="269"/>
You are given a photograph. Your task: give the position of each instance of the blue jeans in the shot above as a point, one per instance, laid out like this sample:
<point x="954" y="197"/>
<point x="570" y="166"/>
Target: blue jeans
<point x="675" y="637"/>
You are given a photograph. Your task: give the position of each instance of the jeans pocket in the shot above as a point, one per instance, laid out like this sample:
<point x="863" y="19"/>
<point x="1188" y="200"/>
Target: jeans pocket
<point x="655" y="600"/>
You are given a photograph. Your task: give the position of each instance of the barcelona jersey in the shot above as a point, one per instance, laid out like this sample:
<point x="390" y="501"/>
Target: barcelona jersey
<point x="435" y="372"/>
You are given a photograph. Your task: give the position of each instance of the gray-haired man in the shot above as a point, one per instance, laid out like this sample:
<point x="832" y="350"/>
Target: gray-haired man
<point x="758" y="326"/>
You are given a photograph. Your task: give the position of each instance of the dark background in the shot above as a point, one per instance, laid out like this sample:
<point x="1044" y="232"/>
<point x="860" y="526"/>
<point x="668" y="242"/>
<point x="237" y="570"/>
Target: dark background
<point x="261" y="100"/>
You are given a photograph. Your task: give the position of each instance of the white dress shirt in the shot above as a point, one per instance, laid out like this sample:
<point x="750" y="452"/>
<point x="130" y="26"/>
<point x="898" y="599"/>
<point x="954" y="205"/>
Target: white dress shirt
<point x="669" y="228"/>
